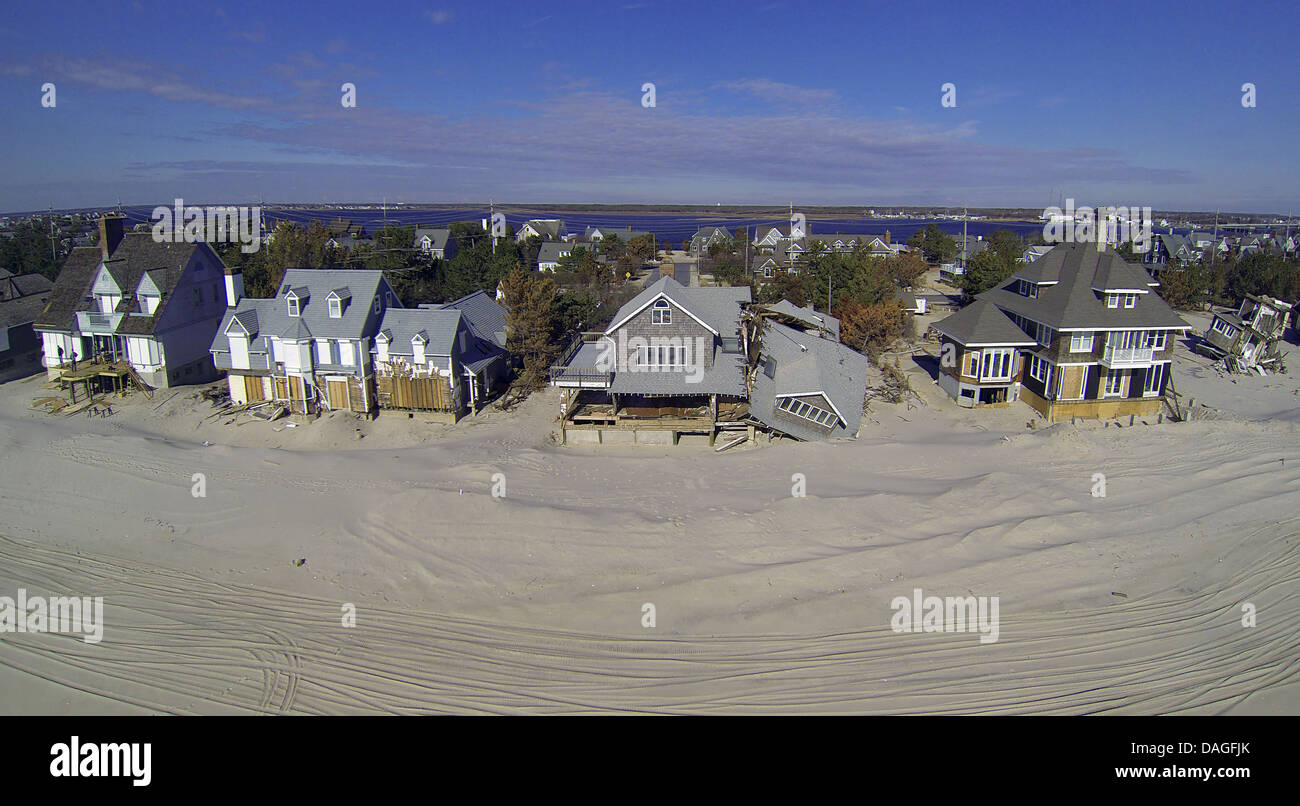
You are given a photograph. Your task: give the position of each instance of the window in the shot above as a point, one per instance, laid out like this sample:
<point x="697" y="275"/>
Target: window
<point x="1154" y="339"/>
<point x="1224" y="328"/>
<point x="293" y="306"/>
<point x="336" y="308"/>
<point x="1130" y="300"/>
<point x="996" y="365"/>
<point x="1044" y="334"/>
<point x="198" y="296"/>
<point x="808" y="411"/>
<point x="1155" y="377"/>
<point x="1112" y="300"/>
<point x="661" y="356"/>
<point x="1114" y="385"/>
<point x="1040" y="370"/>
<point x="974" y="369"/>
<point x="1080" y="342"/>
<point x="377" y="303"/>
<point x="661" y="314"/>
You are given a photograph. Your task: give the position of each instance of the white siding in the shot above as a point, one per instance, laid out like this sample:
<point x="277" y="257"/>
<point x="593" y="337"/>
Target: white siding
<point x="238" y="351"/>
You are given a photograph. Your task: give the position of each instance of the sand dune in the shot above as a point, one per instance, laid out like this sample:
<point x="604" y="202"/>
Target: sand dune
<point x="766" y="603"/>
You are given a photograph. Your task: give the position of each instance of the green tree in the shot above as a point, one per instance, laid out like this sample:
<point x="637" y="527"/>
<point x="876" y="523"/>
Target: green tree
<point x="529" y="300"/>
<point x="984" y="270"/>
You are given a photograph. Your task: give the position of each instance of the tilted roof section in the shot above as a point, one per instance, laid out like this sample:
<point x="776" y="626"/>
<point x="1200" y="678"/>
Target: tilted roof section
<point x="807" y="364"/>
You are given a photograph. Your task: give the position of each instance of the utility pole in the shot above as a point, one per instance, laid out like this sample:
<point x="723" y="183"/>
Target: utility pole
<point x="492" y="215"/>
<point x="54" y="255"/>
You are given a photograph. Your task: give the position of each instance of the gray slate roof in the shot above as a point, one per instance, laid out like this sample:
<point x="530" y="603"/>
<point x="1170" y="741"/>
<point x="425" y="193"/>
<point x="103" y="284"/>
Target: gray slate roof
<point x="270" y="317"/>
<point x="486" y="319"/>
<point x="982" y="323"/>
<point x="437" y="325"/>
<point x="438" y="236"/>
<point x="716" y="306"/>
<point x="1072" y="304"/>
<point x="806" y="363"/>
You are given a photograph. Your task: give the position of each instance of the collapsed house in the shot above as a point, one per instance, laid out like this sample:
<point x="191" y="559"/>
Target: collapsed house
<point x="1249" y="339"/>
<point x="690" y="360"/>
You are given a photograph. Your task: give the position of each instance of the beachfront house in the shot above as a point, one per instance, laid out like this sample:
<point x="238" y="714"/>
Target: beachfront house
<point x="308" y="347"/>
<point x="677" y="360"/>
<point x="672" y="361"/>
<point x="133" y="305"/>
<point x="447" y="360"/>
<point x="22" y="298"/>
<point x="1089" y="337"/>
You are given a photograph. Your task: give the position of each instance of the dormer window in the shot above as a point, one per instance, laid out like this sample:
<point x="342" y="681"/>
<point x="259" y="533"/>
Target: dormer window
<point x="293" y="305"/>
<point x="1121" y="300"/>
<point x="661" y="313"/>
<point x="336" y="308"/>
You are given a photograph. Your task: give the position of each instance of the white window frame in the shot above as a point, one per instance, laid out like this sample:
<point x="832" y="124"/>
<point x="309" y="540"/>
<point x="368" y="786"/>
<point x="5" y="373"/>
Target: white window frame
<point x="295" y="306"/>
<point x="1155" y="339"/>
<point x="1112" y="300"/>
<point x="1081" y="342"/>
<point x="1130" y="300"/>
<point x="1156" y="371"/>
<point x="661" y="313"/>
<point x="815" y="414"/>
<point x="1117" y="377"/>
<point x="336" y="308"/>
<point x="997" y="354"/>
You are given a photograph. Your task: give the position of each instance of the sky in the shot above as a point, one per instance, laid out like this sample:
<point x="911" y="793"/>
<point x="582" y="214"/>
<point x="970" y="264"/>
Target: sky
<point x="1134" y="104"/>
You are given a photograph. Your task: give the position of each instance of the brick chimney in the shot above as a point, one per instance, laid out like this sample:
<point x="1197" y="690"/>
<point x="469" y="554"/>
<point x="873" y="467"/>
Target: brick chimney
<point x="110" y="233"/>
<point x="886" y="237"/>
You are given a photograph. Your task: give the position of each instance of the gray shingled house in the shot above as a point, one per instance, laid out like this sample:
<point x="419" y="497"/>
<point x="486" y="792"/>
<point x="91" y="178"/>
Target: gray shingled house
<point x="678" y="360"/>
<point x="22" y="298"/>
<point x="134" y="301"/>
<point x="1088" y="337"/>
<point x="436" y="242"/>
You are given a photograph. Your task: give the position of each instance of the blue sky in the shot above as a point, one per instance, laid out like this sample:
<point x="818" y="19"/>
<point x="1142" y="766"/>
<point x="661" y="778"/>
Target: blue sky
<point x="756" y="103"/>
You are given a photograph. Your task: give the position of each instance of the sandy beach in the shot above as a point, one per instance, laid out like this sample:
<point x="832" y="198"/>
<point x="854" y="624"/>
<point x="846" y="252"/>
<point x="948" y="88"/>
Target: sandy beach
<point x="765" y="602"/>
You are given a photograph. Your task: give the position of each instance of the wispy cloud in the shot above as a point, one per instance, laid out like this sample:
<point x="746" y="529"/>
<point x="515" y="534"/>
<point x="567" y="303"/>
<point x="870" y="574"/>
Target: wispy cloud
<point x="129" y="76"/>
<point x="778" y="92"/>
<point x="439" y="16"/>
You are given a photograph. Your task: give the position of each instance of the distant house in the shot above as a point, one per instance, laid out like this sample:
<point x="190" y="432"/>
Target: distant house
<point x="625" y="234"/>
<point x="136" y="302"/>
<point x="1033" y="253"/>
<point x="550" y="253"/>
<point x="548" y="229"/>
<point x="705" y="237"/>
<point x="1078" y="332"/>
<point x="22" y="298"/>
<point x="951" y="273"/>
<point x="436" y="242"/>
<point x="1169" y="248"/>
<point x="309" y="346"/>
